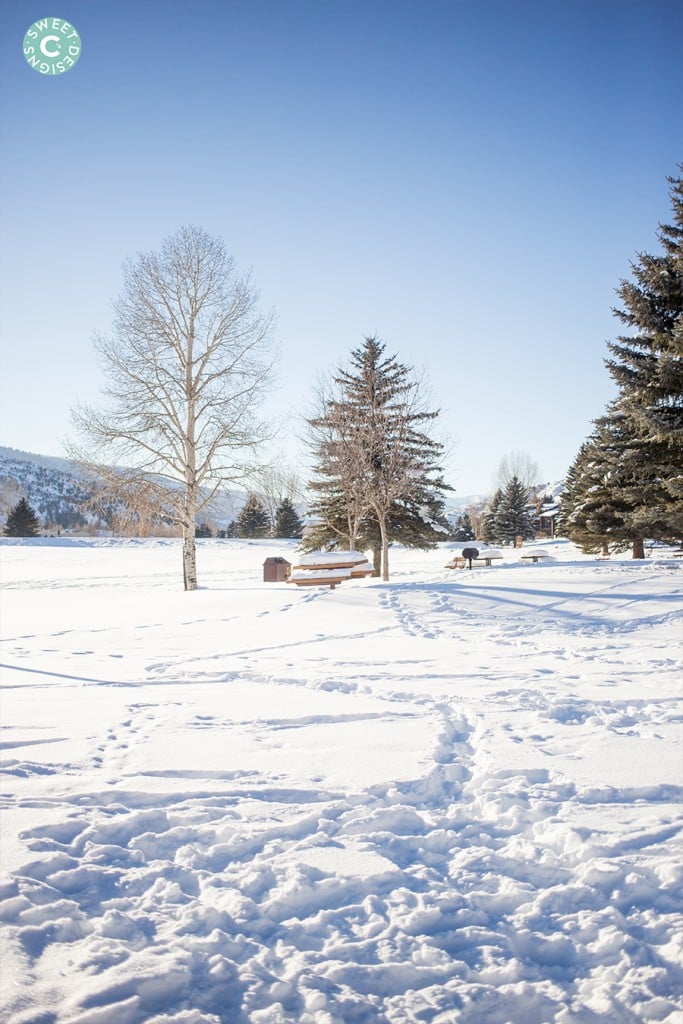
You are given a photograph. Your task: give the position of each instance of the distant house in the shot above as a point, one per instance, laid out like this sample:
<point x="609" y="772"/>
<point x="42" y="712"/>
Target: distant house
<point x="546" y="520"/>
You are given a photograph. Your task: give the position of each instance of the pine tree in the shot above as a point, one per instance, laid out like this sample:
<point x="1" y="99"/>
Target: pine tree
<point x="253" y="519"/>
<point x="463" y="528"/>
<point x="22" y="521"/>
<point x="626" y="482"/>
<point x="287" y="521"/>
<point x="589" y="515"/>
<point x="378" y="477"/>
<point x="489" y="519"/>
<point x="615" y="496"/>
<point x="647" y="366"/>
<point x="513" y="517"/>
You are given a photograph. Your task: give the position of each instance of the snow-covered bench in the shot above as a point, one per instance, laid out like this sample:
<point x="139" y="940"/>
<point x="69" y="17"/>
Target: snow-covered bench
<point x="537" y="556"/>
<point x="328" y="568"/>
<point x="319" y="577"/>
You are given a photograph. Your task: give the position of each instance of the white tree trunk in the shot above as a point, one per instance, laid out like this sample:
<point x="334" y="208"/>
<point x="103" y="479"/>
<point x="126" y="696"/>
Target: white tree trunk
<point x="189" y="558"/>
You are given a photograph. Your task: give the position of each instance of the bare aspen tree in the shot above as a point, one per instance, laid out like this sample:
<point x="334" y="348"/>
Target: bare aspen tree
<point x="521" y="465"/>
<point x="185" y="366"/>
<point x="129" y="505"/>
<point x="275" y="482"/>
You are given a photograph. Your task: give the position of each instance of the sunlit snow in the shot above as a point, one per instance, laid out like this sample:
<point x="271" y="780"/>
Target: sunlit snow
<point x="452" y="798"/>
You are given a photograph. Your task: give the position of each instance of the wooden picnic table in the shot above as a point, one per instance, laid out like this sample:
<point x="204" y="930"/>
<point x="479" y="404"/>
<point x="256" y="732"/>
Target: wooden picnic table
<point x="483" y="558"/>
<point x="328" y="568"/>
<point x="319" y="577"/>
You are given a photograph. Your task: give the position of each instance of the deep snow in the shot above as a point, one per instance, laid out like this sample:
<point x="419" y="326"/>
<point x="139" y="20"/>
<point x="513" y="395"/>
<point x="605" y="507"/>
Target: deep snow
<point x="454" y="797"/>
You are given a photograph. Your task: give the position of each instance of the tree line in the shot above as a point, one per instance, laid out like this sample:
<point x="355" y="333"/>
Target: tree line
<point x="190" y="359"/>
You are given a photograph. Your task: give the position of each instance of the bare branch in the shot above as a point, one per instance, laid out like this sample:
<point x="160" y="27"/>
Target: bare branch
<point x="187" y="362"/>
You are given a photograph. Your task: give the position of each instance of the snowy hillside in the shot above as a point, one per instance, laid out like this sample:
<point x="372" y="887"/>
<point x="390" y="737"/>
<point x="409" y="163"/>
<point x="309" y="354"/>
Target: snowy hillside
<point x="56" y="491"/>
<point x="453" y="798"/>
<point x="53" y="486"/>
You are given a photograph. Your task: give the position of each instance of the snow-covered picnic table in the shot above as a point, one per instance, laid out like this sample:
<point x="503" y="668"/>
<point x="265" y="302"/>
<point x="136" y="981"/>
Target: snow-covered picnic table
<point x="537" y="555"/>
<point x="485" y="557"/>
<point x="328" y="568"/>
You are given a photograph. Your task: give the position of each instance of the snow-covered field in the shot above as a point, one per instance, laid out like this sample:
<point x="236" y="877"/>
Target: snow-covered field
<point x="450" y="798"/>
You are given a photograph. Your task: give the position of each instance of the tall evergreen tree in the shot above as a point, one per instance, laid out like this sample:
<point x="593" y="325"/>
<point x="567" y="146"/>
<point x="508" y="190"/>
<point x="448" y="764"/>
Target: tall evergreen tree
<point x="513" y="517"/>
<point x="628" y="484"/>
<point x="287" y="520"/>
<point x="22" y="521"/>
<point x="647" y="365"/>
<point x="253" y="520"/>
<point x="377" y="468"/>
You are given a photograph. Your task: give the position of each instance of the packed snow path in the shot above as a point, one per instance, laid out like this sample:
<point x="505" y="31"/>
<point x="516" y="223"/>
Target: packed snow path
<point x="450" y="798"/>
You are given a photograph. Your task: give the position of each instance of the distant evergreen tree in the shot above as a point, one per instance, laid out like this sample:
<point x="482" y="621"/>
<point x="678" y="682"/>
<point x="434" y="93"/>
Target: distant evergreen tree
<point x="513" y="518"/>
<point x="378" y="477"/>
<point x="253" y="520"/>
<point x="22" y="521"/>
<point x="287" y="520"/>
<point x="488" y="527"/>
<point x="203" y="530"/>
<point x="463" y="528"/>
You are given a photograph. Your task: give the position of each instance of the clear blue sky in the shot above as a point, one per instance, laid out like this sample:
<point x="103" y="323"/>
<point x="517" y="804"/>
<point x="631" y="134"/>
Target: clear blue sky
<point x="469" y="180"/>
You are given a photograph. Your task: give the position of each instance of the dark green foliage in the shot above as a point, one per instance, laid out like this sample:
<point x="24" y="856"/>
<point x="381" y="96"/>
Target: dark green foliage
<point x="585" y="517"/>
<point x="287" y="521"/>
<point x="253" y="519"/>
<point x="410" y="524"/>
<point x="22" y="521"/>
<point x="648" y="368"/>
<point x="489" y="520"/>
<point x="615" y="496"/>
<point x="513" y="517"/>
<point x="627" y="481"/>
<point x="203" y="530"/>
<point x="647" y="365"/>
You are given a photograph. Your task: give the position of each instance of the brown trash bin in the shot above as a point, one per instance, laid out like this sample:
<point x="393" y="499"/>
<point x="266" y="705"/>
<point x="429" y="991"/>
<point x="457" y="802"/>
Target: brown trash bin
<point x="276" y="570"/>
